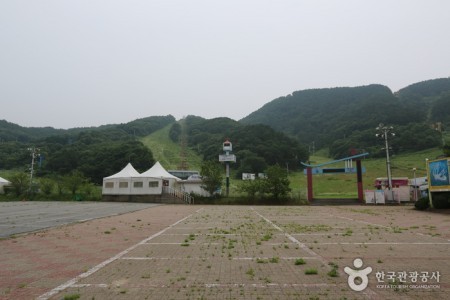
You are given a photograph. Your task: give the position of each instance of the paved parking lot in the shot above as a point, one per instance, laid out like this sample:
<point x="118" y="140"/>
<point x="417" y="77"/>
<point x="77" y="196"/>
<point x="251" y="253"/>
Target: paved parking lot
<point x="237" y="252"/>
<point x="27" y="216"/>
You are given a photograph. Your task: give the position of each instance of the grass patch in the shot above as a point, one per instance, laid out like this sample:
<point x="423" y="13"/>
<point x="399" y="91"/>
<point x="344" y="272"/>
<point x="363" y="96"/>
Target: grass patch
<point x="333" y="273"/>
<point x="348" y="232"/>
<point x="311" y="271"/>
<point x="297" y="228"/>
<point x="267" y="237"/>
<point x="274" y="260"/>
<point x="334" y="270"/>
<point x="72" y="297"/>
<point x="250" y="272"/>
<point x="299" y="261"/>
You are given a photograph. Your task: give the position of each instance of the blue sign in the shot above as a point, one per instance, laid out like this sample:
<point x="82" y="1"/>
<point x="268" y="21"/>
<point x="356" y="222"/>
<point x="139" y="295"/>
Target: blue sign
<point x="439" y="175"/>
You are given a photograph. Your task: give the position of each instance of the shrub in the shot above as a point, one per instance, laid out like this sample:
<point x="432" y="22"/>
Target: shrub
<point x="422" y="204"/>
<point x="20" y="183"/>
<point x="46" y="186"/>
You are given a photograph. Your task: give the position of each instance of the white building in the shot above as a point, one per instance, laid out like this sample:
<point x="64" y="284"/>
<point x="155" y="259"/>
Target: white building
<point x="154" y="185"/>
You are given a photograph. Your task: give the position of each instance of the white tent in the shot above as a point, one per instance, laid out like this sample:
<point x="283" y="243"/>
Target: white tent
<point x="130" y="182"/>
<point x="157" y="171"/>
<point x="3" y="182"/>
<point x="128" y="171"/>
<point x="119" y="183"/>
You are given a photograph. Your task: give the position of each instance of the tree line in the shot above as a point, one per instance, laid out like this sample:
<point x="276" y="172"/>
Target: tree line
<point x="256" y="146"/>
<point x="341" y="119"/>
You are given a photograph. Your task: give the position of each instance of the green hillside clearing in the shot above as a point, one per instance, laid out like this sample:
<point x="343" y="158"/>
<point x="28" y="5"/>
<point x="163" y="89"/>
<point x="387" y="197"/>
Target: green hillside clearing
<point x="168" y="152"/>
<point x="344" y="185"/>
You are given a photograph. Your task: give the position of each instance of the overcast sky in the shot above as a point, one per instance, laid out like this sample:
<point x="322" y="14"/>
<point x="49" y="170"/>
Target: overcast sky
<point x="87" y="62"/>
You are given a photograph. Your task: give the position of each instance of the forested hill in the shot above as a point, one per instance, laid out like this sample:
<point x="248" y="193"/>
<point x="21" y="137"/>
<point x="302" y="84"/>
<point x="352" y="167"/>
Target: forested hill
<point x="256" y="146"/>
<point x="140" y="127"/>
<point x="345" y="118"/>
<point x="95" y="152"/>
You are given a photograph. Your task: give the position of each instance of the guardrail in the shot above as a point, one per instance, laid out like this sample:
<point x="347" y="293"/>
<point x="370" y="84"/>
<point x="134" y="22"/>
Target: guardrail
<point x="178" y="194"/>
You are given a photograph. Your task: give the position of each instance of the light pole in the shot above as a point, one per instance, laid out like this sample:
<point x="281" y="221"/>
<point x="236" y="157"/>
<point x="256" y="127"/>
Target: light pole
<point x="384" y="132"/>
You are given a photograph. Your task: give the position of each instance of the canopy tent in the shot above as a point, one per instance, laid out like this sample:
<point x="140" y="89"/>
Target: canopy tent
<point x="128" y="171"/>
<point x="3" y="182"/>
<point x="129" y="182"/>
<point x="158" y="171"/>
<point x="120" y="182"/>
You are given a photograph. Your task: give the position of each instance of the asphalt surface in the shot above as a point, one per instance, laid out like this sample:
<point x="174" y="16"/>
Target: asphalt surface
<point x="22" y="217"/>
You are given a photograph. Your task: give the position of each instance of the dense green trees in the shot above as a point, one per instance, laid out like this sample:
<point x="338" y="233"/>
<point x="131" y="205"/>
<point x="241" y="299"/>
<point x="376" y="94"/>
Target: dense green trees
<point x="345" y="118"/>
<point x="256" y="146"/>
<point x="250" y="162"/>
<point x="212" y="176"/>
<point x="93" y="152"/>
<point x="175" y="132"/>
<point x="440" y="112"/>
<point x="137" y="128"/>
<point x="97" y="160"/>
<point x="13" y="155"/>
<point x="275" y="184"/>
<point x="340" y="119"/>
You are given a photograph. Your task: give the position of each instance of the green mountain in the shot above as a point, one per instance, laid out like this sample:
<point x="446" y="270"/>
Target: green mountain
<point x="336" y="119"/>
<point x="140" y="127"/>
<point x="256" y="146"/>
<point x="96" y="152"/>
<point x="345" y="118"/>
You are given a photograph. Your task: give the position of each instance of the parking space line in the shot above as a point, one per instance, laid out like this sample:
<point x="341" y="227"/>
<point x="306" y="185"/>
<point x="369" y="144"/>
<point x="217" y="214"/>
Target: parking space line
<point x="368" y="292"/>
<point x="73" y="281"/>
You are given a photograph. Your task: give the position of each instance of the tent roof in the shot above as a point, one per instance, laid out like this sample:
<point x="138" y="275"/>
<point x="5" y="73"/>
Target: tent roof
<point x="2" y="180"/>
<point x="126" y="172"/>
<point x="157" y="171"/>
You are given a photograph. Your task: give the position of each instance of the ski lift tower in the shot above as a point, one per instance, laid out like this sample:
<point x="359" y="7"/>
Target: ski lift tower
<point x="227" y="158"/>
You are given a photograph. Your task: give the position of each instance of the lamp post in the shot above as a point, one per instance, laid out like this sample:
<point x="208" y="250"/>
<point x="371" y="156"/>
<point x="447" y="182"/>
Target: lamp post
<point x="384" y="132"/>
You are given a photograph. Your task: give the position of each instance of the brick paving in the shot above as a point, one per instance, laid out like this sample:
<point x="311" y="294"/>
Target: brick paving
<point x="232" y="252"/>
<point x="32" y="264"/>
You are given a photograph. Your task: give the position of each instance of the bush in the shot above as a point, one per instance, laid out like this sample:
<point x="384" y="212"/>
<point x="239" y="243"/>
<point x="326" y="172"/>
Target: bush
<point x="422" y="203"/>
<point x="441" y="200"/>
<point x="20" y="183"/>
<point x="46" y="186"/>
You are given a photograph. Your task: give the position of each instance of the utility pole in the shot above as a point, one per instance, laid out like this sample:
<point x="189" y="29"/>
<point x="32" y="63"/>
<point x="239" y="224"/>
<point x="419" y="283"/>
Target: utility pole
<point x="34" y="154"/>
<point x="384" y="132"/>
